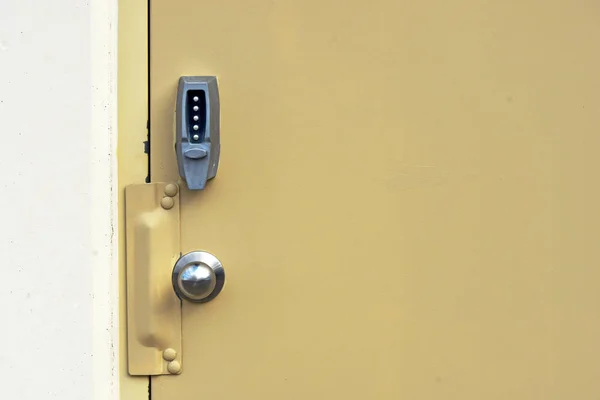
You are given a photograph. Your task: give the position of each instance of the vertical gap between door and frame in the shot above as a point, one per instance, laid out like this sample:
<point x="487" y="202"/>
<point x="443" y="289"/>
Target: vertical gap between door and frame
<point x="148" y="123"/>
<point x="149" y="131"/>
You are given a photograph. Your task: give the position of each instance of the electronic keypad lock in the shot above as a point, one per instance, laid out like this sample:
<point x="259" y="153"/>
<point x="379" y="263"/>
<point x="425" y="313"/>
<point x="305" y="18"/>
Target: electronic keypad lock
<point x="197" y="129"/>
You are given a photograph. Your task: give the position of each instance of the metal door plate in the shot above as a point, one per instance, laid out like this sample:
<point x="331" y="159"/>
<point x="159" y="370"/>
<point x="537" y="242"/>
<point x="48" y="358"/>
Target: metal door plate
<point x="153" y="309"/>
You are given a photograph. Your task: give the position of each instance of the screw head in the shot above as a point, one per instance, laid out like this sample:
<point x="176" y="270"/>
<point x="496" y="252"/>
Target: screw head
<point x="167" y="203"/>
<point x="169" y="354"/>
<point x="174" y="367"/>
<point x="171" y="190"/>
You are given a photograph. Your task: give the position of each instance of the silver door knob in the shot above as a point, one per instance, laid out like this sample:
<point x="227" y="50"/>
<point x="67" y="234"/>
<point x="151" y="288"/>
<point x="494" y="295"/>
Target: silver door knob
<point x="198" y="277"/>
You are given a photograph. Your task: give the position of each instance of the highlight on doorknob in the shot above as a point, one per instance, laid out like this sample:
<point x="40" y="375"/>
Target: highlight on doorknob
<point x="198" y="277"/>
<point x="197" y="130"/>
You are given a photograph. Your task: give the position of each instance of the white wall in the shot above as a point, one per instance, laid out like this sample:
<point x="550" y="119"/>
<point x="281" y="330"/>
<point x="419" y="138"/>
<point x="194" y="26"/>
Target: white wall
<point x="57" y="258"/>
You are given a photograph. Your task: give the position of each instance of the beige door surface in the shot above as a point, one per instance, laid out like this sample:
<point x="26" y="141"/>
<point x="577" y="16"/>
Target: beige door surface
<point x="407" y="200"/>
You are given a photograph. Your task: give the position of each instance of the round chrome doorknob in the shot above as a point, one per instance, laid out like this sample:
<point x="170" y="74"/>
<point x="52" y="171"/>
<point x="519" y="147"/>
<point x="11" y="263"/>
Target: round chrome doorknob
<point x="198" y="277"/>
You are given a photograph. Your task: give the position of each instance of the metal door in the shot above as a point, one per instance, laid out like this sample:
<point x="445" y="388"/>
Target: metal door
<point x="406" y="203"/>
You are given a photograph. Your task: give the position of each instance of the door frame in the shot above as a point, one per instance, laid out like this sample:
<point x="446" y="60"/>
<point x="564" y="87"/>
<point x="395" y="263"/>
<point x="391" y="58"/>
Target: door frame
<point x="132" y="105"/>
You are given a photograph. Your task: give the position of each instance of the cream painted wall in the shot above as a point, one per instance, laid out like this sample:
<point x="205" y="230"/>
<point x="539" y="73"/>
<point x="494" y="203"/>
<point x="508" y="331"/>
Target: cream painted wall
<point x="58" y="282"/>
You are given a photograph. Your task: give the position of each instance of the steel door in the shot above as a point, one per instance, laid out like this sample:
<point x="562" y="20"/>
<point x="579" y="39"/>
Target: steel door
<point x="406" y="203"/>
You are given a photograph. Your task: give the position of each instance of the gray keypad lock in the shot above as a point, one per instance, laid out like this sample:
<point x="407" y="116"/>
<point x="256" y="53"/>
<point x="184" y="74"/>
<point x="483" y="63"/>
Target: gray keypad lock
<point x="197" y="128"/>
